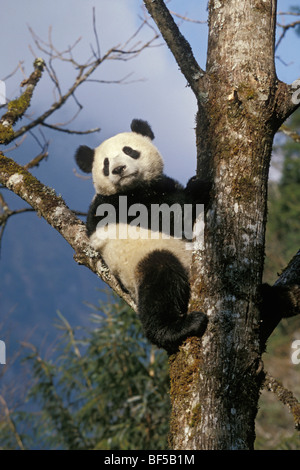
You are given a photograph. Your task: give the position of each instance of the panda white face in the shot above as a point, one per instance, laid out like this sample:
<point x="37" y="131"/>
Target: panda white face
<point x="123" y="161"/>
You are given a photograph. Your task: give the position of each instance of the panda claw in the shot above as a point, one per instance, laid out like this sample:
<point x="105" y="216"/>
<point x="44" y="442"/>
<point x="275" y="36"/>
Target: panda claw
<point x="171" y="336"/>
<point x="198" y="321"/>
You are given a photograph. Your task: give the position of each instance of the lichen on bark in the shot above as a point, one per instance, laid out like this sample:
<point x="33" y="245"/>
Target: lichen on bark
<point x="17" y="107"/>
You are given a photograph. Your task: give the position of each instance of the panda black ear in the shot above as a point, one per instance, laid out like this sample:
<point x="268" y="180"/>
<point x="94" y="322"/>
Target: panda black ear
<point x="142" y="127"/>
<point x="84" y="157"/>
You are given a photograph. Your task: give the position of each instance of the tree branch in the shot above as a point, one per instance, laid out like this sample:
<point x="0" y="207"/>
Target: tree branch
<point x="291" y="274"/>
<point x="285" y="28"/>
<point x="69" y="131"/>
<point x="292" y="134"/>
<point x="285" y="396"/>
<point x="185" y="18"/>
<point x="176" y="42"/>
<point x="18" y="107"/>
<point x="6" y="213"/>
<point x="54" y="210"/>
<point x="81" y="78"/>
<point x="287" y="100"/>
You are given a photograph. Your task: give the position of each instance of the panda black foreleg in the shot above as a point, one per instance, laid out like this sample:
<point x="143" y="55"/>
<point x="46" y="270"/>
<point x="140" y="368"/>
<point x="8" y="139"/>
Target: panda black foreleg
<point x="163" y="296"/>
<point x="277" y="302"/>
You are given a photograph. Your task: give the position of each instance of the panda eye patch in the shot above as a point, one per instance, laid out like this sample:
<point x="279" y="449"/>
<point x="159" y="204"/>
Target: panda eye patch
<point x="106" y="167"/>
<point x="131" y="152"/>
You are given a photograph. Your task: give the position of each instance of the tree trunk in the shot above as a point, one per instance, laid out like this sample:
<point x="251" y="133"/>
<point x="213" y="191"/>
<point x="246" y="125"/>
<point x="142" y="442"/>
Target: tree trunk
<point x="238" y="138"/>
<point x="215" y="383"/>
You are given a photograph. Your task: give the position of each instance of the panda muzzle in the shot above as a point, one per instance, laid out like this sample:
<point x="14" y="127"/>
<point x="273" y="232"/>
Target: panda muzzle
<point x="119" y="170"/>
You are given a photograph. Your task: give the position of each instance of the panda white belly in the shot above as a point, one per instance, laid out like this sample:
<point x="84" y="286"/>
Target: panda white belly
<point x="122" y="247"/>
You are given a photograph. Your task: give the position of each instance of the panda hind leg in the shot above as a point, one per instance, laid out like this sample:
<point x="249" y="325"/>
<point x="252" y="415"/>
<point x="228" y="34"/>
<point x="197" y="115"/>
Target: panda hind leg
<point x="163" y="296"/>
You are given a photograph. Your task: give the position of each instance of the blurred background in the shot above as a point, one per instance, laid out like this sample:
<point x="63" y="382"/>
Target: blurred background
<point x="42" y="286"/>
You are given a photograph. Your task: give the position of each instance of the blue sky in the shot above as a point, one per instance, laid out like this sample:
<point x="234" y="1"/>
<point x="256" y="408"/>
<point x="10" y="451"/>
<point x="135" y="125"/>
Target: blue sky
<point x="37" y="271"/>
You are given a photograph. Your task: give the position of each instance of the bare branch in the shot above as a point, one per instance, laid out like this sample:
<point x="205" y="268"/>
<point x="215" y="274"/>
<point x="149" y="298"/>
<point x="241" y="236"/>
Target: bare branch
<point x="37" y="160"/>
<point x="285" y="396"/>
<point x="69" y="131"/>
<point x="50" y="49"/>
<point x="287" y="99"/>
<point x="6" y="213"/>
<point x="81" y="77"/>
<point x="19" y="66"/>
<point x="123" y="52"/>
<point x="98" y="54"/>
<point x="291" y="274"/>
<point x="178" y="45"/>
<point x="288" y="13"/>
<point x="185" y="18"/>
<point x="294" y="135"/>
<point x="16" y="144"/>
<point x="286" y="27"/>
<point x="17" y="108"/>
<point x="120" y="81"/>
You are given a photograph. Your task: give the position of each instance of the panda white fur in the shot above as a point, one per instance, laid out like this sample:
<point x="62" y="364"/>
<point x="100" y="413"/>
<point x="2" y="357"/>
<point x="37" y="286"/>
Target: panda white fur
<point x="154" y="271"/>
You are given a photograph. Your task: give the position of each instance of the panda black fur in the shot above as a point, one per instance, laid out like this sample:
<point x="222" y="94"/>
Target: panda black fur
<point x="154" y="271"/>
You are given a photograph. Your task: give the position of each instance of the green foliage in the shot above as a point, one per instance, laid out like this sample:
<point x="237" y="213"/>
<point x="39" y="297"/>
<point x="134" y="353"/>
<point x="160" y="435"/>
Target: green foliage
<point x="283" y="228"/>
<point x="107" y="388"/>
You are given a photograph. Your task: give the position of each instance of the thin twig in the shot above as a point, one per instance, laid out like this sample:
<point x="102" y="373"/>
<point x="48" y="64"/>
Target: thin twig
<point x="98" y="56"/>
<point x="285" y="28"/>
<point x="70" y="131"/>
<point x="288" y="13"/>
<point x="13" y="72"/>
<point x="37" y="160"/>
<point x="84" y="71"/>
<point x="185" y="18"/>
<point x="18" y="107"/>
<point x="294" y="135"/>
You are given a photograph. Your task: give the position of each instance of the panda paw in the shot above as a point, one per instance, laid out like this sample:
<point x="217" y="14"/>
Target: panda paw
<point x="198" y="189"/>
<point x="192" y="324"/>
<point x="196" y="323"/>
<point x="170" y="336"/>
<point x="282" y="300"/>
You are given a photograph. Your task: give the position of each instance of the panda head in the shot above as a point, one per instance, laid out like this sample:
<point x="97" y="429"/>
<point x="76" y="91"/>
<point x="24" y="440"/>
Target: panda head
<point x="123" y="161"/>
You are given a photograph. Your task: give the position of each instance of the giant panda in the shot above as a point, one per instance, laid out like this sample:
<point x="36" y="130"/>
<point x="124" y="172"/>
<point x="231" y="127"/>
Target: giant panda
<point x="153" y="268"/>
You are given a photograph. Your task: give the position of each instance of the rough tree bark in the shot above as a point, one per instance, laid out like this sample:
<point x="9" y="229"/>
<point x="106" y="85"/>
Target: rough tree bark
<point x="215" y="381"/>
<point x="241" y="104"/>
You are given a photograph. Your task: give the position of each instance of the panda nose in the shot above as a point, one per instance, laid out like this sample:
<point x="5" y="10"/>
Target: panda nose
<point x="118" y="170"/>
